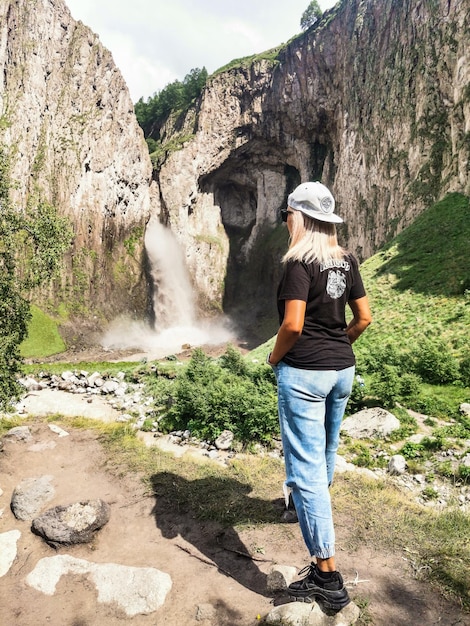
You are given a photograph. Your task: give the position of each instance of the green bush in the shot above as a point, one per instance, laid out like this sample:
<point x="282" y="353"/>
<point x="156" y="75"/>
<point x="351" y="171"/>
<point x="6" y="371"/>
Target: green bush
<point x="464" y="370"/>
<point x="432" y="444"/>
<point x="362" y="455"/>
<point x="356" y="400"/>
<point x="409" y="385"/>
<point x="233" y="362"/>
<point x="464" y="473"/>
<point x="381" y="355"/>
<point x="209" y="397"/>
<point x="429" y="493"/>
<point x="412" y="450"/>
<point x="431" y="405"/>
<point x="435" y="364"/>
<point x="445" y="469"/>
<point x="387" y="386"/>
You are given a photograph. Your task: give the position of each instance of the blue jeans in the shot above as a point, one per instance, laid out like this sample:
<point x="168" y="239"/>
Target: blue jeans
<point x="311" y="406"/>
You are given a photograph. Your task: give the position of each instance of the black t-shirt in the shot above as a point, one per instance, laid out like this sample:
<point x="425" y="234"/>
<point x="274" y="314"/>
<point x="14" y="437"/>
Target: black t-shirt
<point x="323" y="344"/>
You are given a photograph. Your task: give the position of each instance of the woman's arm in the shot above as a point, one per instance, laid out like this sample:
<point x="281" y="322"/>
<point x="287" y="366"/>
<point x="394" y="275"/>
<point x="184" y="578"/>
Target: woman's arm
<point x="361" y="320"/>
<point x="290" y="330"/>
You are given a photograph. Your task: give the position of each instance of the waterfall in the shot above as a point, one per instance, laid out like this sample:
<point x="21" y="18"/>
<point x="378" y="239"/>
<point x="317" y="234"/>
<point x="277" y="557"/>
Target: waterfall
<point x="173" y="302"/>
<point x="176" y="324"/>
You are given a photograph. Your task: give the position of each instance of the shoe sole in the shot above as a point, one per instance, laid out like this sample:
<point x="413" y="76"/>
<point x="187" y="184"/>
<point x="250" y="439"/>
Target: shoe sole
<point x="327" y="602"/>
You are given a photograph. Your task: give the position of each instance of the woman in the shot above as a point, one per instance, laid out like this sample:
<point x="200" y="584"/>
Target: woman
<point x="314" y="366"/>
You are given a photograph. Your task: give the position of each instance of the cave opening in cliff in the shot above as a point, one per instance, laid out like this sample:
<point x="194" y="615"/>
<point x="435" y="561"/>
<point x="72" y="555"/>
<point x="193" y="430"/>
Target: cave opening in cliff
<point x="251" y="263"/>
<point x="250" y="189"/>
<point x="237" y="204"/>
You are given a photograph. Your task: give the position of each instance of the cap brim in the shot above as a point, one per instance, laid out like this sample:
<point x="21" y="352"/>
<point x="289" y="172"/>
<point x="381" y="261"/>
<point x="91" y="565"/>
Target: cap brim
<point x="331" y="218"/>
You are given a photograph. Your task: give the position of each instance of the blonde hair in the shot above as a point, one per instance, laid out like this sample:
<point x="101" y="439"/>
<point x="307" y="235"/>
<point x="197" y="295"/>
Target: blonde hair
<point x="312" y="240"/>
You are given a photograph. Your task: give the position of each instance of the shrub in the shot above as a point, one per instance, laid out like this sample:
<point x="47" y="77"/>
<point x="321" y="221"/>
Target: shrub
<point x="233" y="361"/>
<point x="362" y="456"/>
<point x="435" y="364"/>
<point x="409" y="385"/>
<point x="464" y="473"/>
<point x="412" y="450"/>
<point x="356" y="400"/>
<point x="433" y="443"/>
<point x="429" y="493"/>
<point x="382" y="355"/>
<point x="391" y="385"/>
<point x="445" y="469"/>
<point x="464" y="371"/>
<point x="431" y="405"/>
<point x="208" y="398"/>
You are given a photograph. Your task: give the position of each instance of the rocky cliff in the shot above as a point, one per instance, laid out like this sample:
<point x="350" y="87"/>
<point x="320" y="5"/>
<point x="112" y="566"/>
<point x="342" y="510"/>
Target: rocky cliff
<point x="74" y="141"/>
<point x="374" y="100"/>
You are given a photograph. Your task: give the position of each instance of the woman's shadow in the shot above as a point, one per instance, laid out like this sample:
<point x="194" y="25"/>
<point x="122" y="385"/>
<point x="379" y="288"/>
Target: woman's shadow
<point x="189" y="508"/>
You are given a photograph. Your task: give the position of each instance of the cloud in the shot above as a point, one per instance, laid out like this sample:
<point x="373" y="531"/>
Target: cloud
<point x="154" y="42"/>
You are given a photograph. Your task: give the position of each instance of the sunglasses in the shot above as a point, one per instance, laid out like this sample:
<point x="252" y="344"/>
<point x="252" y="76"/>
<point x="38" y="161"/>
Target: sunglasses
<point x="284" y="214"/>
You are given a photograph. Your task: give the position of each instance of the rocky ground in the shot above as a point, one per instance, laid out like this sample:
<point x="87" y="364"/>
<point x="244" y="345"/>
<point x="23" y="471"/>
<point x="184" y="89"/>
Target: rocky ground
<point x="218" y="576"/>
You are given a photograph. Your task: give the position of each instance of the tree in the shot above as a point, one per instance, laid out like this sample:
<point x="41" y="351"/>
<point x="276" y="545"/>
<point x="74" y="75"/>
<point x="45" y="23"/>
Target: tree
<point x="176" y="96"/>
<point x="32" y="243"/>
<point x="311" y="15"/>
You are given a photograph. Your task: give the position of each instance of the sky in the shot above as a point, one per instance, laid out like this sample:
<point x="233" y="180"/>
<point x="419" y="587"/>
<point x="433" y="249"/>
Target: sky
<point x="154" y="42"/>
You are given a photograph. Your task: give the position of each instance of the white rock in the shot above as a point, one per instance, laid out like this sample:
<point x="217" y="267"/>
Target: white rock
<point x="58" y="430"/>
<point x="224" y="440"/>
<point x="91" y="380"/>
<point x="8" y="550"/>
<point x="280" y="577"/>
<point x="397" y="465"/>
<point x="109" y="386"/>
<point x="370" y="423"/>
<point x="136" y="590"/>
<point x="464" y="408"/>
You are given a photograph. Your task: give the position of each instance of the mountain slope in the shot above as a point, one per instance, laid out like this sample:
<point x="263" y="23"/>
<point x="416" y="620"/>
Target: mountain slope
<point x="419" y="284"/>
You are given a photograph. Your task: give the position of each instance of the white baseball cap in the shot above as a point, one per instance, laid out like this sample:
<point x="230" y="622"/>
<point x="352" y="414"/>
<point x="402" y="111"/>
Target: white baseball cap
<point x="315" y="200"/>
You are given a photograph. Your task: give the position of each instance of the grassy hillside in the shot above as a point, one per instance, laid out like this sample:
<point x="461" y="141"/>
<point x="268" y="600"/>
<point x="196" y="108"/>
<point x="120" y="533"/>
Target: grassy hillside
<point x="43" y="336"/>
<point x="419" y="284"/>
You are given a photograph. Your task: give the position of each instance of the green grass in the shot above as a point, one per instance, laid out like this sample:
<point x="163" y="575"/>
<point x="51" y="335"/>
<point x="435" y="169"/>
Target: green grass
<point x="244" y="62"/>
<point x="134" y="370"/>
<point x="43" y="336"/>
<point x="434" y="543"/>
<point x="419" y="284"/>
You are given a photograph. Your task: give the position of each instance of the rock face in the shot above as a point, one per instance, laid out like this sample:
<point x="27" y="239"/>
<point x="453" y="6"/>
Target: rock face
<point x="374" y="99"/>
<point x="76" y="143"/>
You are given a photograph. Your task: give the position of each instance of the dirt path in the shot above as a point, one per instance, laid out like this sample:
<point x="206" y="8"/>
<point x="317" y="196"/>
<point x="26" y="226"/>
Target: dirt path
<point x="210" y="577"/>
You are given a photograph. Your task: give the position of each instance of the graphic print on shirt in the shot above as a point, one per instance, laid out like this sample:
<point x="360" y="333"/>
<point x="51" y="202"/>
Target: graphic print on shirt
<point x="336" y="284"/>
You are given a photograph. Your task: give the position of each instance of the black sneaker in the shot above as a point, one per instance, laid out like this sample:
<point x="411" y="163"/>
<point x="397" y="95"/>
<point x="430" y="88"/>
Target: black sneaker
<point x="331" y="593"/>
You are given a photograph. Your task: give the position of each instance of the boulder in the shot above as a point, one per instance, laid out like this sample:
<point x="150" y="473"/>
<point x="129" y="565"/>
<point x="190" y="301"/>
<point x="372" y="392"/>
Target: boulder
<point x="30" y="496"/>
<point x="75" y="523"/>
<point x="370" y="423"/>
